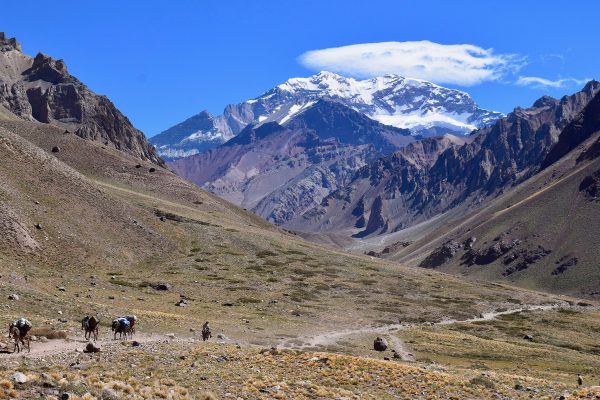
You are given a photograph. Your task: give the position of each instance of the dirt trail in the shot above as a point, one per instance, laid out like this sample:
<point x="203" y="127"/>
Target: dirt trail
<point x="72" y="345"/>
<point x="331" y="338"/>
<point x="77" y="344"/>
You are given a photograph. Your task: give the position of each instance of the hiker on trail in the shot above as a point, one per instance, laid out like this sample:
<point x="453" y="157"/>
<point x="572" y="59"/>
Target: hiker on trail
<point x="206" y="332"/>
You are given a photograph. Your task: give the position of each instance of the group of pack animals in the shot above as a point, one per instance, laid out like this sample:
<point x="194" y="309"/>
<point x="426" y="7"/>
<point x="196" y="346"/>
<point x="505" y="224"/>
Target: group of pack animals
<point x="124" y="326"/>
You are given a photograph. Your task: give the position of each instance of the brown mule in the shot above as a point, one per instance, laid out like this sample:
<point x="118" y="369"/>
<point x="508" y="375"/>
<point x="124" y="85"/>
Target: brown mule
<point x="20" y="338"/>
<point x="90" y="325"/>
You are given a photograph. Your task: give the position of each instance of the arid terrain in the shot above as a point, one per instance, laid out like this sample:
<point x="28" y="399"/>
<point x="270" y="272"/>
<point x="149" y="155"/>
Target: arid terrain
<point x="97" y="225"/>
<point x="110" y="230"/>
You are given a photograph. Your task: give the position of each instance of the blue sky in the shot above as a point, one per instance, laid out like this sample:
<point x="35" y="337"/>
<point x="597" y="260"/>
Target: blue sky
<point x="161" y="62"/>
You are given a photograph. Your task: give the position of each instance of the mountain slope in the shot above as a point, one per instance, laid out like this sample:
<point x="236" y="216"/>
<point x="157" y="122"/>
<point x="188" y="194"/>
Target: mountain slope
<point x="89" y="220"/>
<point x="420" y="106"/>
<point x="280" y="172"/>
<point x="495" y="159"/>
<point x="41" y="89"/>
<point x="541" y="234"/>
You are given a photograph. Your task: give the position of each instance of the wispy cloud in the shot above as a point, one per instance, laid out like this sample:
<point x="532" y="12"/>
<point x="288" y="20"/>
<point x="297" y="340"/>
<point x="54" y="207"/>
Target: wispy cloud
<point x="461" y="64"/>
<point x="542" y="83"/>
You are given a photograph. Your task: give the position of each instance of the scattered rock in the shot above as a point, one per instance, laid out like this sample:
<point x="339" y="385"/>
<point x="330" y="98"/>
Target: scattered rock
<point x="91" y="348"/>
<point x="182" y="303"/>
<point x="227" y="304"/>
<point x="528" y="337"/>
<point x="61" y="289"/>
<point x="13" y="296"/>
<point x="152" y="169"/>
<point x="38" y="226"/>
<point x="590" y="186"/>
<point x="162" y="286"/>
<point x="170" y="335"/>
<point x="380" y="344"/>
<point x="492" y="253"/>
<point x="222" y="337"/>
<point x="109" y="394"/>
<point x="135" y="343"/>
<point x="528" y="257"/>
<point x="55" y="149"/>
<point x="19" y="377"/>
<point x="565" y="264"/>
<point x="441" y="255"/>
<point x="138" y="166"/>
<point x="468" y="244"/>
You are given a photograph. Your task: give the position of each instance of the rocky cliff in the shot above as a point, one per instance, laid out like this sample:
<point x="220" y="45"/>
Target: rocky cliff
<point x="416" y="185"/>
<point x="41" y="89"/>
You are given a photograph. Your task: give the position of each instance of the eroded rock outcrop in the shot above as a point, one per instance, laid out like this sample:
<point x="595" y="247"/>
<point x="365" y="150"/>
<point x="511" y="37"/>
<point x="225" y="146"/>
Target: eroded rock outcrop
<point x="41" y="89"/>
<point x="441" y="255"/>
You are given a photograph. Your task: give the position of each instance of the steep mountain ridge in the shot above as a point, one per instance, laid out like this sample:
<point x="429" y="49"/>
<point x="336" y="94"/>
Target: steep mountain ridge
<point x="406" y="193"/>
<point x="420" y="106"/>
<point x="542" y="234"/>
<point x="41" y="89"/>
<point x="281" y="171"/>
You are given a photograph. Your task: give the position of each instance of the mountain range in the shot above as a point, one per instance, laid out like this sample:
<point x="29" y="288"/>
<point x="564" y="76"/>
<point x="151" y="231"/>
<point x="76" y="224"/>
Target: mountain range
<point x="516" y="199"/>
<point x="422" y="107"/>
<point x="337" y="176"/>
<point x="280" y="172"/>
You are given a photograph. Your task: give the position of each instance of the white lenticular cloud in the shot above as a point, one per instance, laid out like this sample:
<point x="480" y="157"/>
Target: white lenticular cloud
<point x="543" y="83"/>
<point x="461" y="64"/>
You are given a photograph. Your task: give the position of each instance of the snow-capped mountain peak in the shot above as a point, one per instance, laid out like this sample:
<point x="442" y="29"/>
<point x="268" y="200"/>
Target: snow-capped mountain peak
<point x="423" y="107"/>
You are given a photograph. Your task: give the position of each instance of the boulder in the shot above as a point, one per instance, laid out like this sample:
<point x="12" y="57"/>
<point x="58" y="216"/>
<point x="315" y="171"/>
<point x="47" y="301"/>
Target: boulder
<point x="13" y="296"/>
<point x="380" y="344"/>
<point x="162" y="286"/>
<point x="91" y="348"/>
<point x="441" y="255"/>
<point x="19" y="377"/>
<point x="182" y="303"/>
<point x="468" y="244"/>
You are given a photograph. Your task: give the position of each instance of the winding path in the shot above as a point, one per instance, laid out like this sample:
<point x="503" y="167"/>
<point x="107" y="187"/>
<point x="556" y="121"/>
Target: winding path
<point x="71" y="345"/>
<point x="332" y="337"/>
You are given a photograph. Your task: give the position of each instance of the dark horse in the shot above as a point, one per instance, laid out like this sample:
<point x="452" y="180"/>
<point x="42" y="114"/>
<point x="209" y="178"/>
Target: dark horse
<point x="90" y="326"/>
